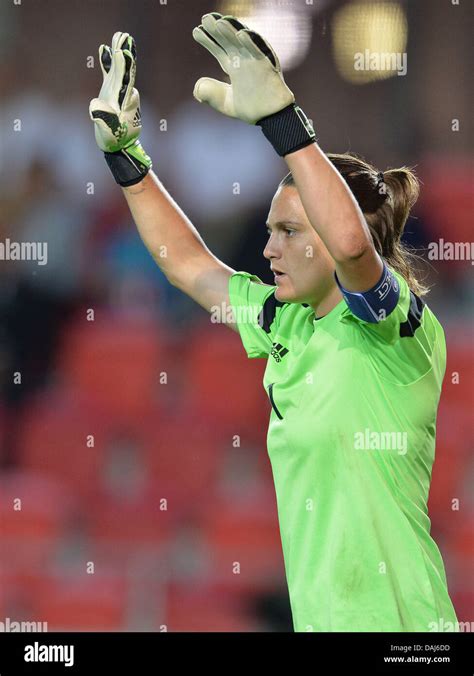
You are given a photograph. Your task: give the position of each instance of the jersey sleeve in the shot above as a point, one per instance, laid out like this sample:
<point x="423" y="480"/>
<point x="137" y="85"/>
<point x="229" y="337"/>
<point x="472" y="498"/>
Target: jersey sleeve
<point x="388" y="321"/>
<point x="256" y="311"/>
<point x="406" y="343"/>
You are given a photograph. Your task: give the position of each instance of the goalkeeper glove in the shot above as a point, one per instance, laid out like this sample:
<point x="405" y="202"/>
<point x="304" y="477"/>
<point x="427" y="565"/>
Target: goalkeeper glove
<point x="257" y="92"/>
<point x="116" y="112"/>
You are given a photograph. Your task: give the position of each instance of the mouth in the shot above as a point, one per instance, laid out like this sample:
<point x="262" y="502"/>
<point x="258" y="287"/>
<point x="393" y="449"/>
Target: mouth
<point x="278" y="274"/>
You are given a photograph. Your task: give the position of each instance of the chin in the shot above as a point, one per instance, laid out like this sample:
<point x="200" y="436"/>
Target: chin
<point x="290" y="295"/>
<point x="284" y="295"/>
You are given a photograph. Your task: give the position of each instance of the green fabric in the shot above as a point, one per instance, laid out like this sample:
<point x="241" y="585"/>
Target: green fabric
<point x="136" y="151"/>
<point x="351" y="459"/>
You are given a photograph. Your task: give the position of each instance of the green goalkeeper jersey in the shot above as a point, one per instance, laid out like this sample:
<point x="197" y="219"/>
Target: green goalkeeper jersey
<point x="351" y="442"/>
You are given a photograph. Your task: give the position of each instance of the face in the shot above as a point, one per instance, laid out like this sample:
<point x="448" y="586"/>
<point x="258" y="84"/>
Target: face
<point x="296" y="250"/>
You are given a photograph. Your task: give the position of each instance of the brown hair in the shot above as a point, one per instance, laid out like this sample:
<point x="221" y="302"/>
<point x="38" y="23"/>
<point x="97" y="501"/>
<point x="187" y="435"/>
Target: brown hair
<point x="385" y="199"/>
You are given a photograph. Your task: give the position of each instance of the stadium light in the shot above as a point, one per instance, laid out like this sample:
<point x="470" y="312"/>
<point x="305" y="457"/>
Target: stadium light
<point x="287" y="28"/>
<point x="369" y="41"/>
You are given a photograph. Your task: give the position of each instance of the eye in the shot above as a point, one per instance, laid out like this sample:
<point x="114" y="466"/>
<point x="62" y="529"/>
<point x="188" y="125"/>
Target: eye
<point x="289" y="232"/>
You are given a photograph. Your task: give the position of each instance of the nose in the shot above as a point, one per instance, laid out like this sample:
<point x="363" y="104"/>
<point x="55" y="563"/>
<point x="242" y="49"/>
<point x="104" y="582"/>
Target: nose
<point x="271" y="250"/>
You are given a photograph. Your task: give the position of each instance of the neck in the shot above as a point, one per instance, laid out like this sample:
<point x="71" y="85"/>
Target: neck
<point x="326" y="304"/>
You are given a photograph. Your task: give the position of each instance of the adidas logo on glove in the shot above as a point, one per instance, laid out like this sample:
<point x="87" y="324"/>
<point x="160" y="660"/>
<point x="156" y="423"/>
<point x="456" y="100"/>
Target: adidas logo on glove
<point x="137" y="119"/>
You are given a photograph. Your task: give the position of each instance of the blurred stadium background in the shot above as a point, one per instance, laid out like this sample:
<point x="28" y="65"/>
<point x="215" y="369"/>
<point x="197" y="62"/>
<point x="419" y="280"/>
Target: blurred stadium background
<point x="136" y="442"/>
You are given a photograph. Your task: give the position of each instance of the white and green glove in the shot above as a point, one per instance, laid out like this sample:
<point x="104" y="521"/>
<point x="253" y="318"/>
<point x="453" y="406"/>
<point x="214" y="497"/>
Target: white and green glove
<point x="116" y="112"/>
<point x="257" y="92"/>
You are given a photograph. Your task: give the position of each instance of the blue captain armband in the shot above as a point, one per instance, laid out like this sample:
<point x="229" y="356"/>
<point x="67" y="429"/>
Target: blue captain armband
<point x="378" y="302"/>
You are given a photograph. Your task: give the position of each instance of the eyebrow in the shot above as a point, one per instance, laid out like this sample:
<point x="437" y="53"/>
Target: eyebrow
<point x="282" y="224"/>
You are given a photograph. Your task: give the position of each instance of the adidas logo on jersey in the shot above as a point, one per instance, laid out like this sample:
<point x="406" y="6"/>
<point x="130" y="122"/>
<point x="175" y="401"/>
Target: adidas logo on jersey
<point x="278" y="351"/>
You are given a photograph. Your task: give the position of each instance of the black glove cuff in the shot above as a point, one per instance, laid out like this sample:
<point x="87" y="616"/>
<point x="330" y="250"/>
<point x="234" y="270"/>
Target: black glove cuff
<point x="126" y="170"/>
<point x="288" y="130"/>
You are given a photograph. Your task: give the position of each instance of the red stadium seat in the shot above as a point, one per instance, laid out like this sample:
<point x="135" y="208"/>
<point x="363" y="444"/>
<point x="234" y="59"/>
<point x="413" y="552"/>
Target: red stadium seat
<point x="454" y="424"/>
<point x="463" y="540"/>
<point x="202" y="608"/>
<point x="131" y="521"/>
<point x="83" y="602"/>
<point x="30" y="535"/>
<point x="223" y="385"/>
<point x="458" y="385"/>
<point x="247" y="534"/>
<point x="54" y="436"/>
<point x="18" y="589"/>
<point x="183" y="456"/>
<point x="448" y="472"/>
<point x="447" y="198"/>
<point x="115" y="364"/>
<point x="461" y="548"/>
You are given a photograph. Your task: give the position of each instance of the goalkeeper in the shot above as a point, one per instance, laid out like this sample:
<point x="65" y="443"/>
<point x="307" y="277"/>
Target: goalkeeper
<point x="355" y="358"/>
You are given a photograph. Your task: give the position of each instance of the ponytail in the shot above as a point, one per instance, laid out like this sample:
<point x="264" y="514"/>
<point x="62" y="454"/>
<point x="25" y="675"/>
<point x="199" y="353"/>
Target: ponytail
<point x="385" y="199"/>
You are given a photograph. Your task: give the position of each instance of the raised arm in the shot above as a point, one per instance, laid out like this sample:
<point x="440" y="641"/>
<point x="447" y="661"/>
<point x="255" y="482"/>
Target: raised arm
<point x="176" y="245"/>
<point x="337" y="218"/>
<point x="170" y="237"/>
<point x="258" y="94"/>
